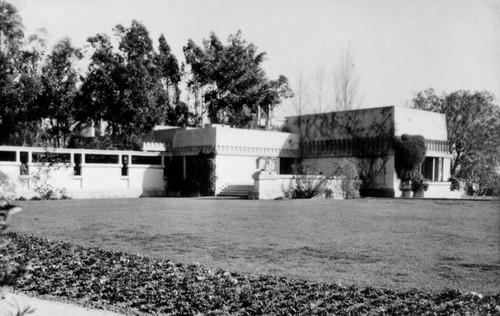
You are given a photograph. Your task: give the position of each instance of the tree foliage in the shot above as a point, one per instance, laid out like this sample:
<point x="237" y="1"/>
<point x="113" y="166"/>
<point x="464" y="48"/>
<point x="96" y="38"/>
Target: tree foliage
<point x="11" y="30"/>
<point x="20" y="79"/>
<point x="473" y="126"/>
<point x="56" y="102"/>
<point x="231" y="80"/>
<point x="133" y="88"/>
<point x="46" y="99"/>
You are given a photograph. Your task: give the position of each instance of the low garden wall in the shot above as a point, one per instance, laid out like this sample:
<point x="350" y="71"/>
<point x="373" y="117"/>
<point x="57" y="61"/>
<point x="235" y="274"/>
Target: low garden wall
<point x="436" y="190"/>
<point x="269" y="185"/>
<point x="30" y="172"/>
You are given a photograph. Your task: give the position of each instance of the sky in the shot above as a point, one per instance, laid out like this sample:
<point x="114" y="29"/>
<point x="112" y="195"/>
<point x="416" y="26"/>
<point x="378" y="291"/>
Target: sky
<point x="401" y="46"/>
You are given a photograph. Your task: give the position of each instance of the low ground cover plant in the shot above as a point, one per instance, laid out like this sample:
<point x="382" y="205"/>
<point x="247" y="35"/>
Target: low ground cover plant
<point x="136" y="285"/>
<point x="13" y="267"/>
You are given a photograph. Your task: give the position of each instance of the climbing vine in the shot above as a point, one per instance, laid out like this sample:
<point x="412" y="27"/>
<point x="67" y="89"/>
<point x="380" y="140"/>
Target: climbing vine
<point x="365" y="136"/>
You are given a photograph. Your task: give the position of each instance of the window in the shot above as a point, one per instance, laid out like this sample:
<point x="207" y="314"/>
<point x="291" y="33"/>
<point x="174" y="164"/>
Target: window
<point x="124" y="165"/>
<point x="51" y="157"/>
<point x="432" y="169"/>
<point x="287" y="165"/>
<point x="77" y="169"/>
<point x="146" y="160"/>
<point x="95" y="158"/>
<point x="24" y="156"/>
<point x="7" y="156"/>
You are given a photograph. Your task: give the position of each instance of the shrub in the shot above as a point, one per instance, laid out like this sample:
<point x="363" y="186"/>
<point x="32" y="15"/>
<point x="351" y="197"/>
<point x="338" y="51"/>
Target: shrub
<point x="40" y="176"/>
<point x="496" y="190"/>
<point x="350" y="180"/>
<point x="7" y="189"/>
<point x="455" y="184"/>
<point x="308" y="182"/>
<point x="409" y="154"/>
<point x="418" y="182"/>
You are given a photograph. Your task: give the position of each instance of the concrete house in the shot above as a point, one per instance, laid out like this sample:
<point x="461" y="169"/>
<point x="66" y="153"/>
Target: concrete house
<point x="237" y="156"/>
<point x="363" y="137"/>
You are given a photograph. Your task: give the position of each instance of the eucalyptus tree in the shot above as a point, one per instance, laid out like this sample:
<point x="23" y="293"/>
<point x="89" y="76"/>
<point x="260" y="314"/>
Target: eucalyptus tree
<point x="11" y="37"/>
<point x="132" y="88"/>
<point x="168" y="71"/>
<point x="20" y="61"/>
<point x="59" y="80"/>
<point x="231" y="79"/>
<point x="98" y="91"/>
<point x="11" y="31"/>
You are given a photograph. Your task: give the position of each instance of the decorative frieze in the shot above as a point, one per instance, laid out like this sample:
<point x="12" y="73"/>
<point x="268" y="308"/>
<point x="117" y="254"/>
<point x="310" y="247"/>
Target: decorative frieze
<point x="441" y="146"/>
<point x="357" y="147"/>
<point x="347" y="147"/>
<point x="155" y="146"/>
<point x="236" y="150"/>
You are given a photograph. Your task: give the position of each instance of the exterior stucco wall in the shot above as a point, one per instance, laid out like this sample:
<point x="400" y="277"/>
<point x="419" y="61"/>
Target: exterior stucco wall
<point x="362" y="123"/>
<point x="240" y="153"/>
<point x="234" y="170"/>
<point x="430" y="125"/>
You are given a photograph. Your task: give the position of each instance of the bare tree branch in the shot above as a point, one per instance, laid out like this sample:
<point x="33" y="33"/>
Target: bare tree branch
<point x="346" y="81"/>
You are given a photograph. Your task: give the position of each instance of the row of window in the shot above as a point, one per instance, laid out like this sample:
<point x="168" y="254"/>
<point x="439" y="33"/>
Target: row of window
<point x="10" y="156"/>
<point x="431" y="169"/>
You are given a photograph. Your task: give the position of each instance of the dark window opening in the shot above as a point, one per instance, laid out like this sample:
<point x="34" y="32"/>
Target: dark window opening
<point x="166" y="162"/>
<point x="24" y="156"/>
<point x="191" y="166"/>
<point x="432" y="169"/>
<point x="77" y="169"/>
<point x="287" y="165"/>
<point x="124" y="166"/>
<point x="105" y="159"/>
<point x="51" y="157"/>
<point x="146" y="160"/>
<point x="7" y="156"/>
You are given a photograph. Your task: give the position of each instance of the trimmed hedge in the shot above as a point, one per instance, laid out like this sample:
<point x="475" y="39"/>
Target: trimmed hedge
<point x="410" y="152"/>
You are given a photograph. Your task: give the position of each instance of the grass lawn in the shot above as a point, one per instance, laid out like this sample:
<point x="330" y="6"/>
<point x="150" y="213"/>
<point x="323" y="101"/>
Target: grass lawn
<point x="402" y="244"/>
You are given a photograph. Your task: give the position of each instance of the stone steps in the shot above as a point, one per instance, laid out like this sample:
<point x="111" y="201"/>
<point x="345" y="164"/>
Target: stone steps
<point x="236" y="190"/>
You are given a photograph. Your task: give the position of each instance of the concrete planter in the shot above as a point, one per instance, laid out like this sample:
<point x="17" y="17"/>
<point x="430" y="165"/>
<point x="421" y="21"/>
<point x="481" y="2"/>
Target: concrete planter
<point x="418" y="194"/>
<point x="405" y="188"/>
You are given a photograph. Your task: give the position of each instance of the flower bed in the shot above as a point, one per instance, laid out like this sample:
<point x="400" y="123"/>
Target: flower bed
<point x="137" y="285"/>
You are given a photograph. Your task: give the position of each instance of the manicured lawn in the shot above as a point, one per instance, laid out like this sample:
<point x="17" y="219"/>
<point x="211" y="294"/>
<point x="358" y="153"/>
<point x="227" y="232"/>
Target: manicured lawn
<point x="401" y="244"/>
